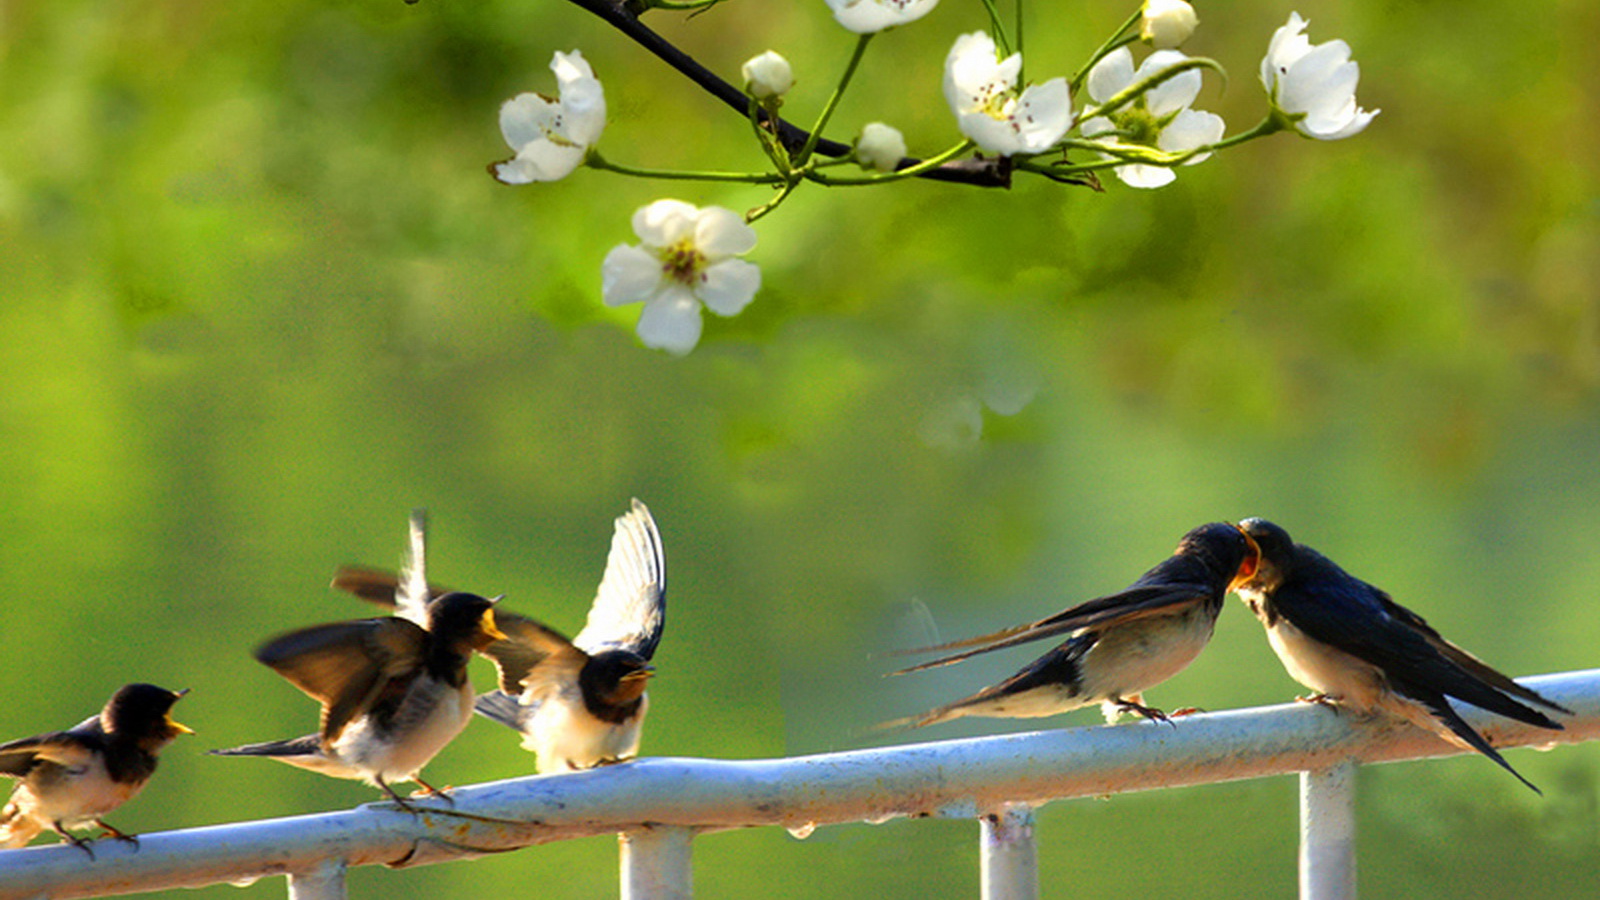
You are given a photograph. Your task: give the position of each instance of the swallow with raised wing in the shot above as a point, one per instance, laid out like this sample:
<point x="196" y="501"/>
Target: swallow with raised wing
<point x="394" y="691"/>
<point x="73" y="778"/>
<point x="1118" y="646"/>
<point x="1358" y="649"/>
<point x="578" y="703"/>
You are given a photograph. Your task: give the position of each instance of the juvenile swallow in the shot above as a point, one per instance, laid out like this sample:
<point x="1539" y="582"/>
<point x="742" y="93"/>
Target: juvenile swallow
<point x="1357" y="648"/>
<point x="393" y="692"/>
<point x="70" y="779"/>
<point x="1118" y="646"/>
<point x="578" y="703"/>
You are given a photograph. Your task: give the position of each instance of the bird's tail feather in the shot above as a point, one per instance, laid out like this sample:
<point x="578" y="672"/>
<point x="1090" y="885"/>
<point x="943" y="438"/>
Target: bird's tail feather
<point x="17" y="830"/>
<point x="501" y="707"/>
<point x="1454" y="728"/>
<point x="310" y="745"/>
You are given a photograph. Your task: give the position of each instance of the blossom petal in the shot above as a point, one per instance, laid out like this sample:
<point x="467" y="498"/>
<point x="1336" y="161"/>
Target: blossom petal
<point x="1189" y="129"/>
<point x="1143" y="176"/>
<point x="629" y="274"/>
<point x="665" y="222"/>
<point x="1043" y="115"/>
<point x="721" y="232"/>
<point x="1111" y="75"/>
<point x="728" y="286"/>
<point x="1287" y="45"/>
<point x="540" y="161"/>
<point x="1176" y="92"/>
<point x="870" y="16"/>
<point x="526" y="118"/>
<point x="671" y="322"/>
<point x="973" y="74"/>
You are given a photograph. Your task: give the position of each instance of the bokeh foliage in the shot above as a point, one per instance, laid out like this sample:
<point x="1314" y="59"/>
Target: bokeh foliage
<point x="258" y="298"/>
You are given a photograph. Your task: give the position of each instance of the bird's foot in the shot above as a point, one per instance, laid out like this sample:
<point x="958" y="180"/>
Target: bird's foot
<point x="115" y="832"/>
<point x="83" y="844"/>
<point x="1319" y="699"/>
<point x="1149" y="712"/>
<point x="429" y="790"/>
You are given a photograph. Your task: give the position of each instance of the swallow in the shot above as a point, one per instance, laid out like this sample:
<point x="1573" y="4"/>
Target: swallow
<point x="1357" y="648"/>
<point x="1118" y="646"/>
<point x="71" y="779"/>
<point x="394" y="691"/>
<point x="578" y="703"/>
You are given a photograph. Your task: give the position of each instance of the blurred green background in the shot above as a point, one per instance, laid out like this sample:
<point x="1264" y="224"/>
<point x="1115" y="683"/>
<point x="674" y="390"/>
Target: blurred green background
<point x="260" y="299"/>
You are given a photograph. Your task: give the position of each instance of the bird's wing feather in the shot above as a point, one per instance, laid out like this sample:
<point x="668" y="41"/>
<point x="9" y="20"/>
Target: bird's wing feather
<point x="411" y="599"/>
<point x="527" y="648"/>
<point x="1361" y="620"/>
<point x="1137" y="602"/>
<point x="406" y="592"/>
<point x="61" y="747"/>
<point x="630" y="607"/>
<point x="1464" y="659"/>
<point x="344" y="666"/>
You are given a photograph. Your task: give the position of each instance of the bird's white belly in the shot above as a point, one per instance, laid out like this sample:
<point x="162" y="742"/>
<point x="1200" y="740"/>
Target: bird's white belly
<point x="1132" y="658"/>
<point x="362" y="748"/>
<point x="565" y="736"/>
<point x="1325" y="669"/>
<point x="76" y="797"/>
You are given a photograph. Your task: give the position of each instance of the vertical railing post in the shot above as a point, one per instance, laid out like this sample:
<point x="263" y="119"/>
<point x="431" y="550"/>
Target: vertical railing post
<point x="324" y="882"/>
<point x="1009" y="859"/>
<point x="657" y="863"/>
<point x="1328" y="833"/>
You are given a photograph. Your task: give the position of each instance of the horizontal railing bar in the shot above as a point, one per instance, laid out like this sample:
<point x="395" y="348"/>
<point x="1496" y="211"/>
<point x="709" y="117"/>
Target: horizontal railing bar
<point x="953" y="778"/>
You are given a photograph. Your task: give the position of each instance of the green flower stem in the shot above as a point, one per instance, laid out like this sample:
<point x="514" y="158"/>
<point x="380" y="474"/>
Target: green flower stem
<point x="898" y="174"/>
<point x="596" y="161"/>
<point x="1119" y="38"/>
<point x="770" y="205"/>
<point x="1272" y="124"/>
<point x="1001" y="40"/>
<point x="801" y="158"/>
<point x="1133" y="91"/>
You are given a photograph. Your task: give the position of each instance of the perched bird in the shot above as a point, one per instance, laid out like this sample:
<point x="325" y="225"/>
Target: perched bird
<point x="578" y="703"/>
<point x="394" y="691"/>
<point x="70" y="779"/>
<point x="1357" y="648"/>
<point x="1118" y="646"/>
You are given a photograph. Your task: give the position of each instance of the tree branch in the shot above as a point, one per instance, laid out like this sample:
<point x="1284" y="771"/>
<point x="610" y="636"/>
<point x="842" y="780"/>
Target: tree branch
<point x="624" y="16"/>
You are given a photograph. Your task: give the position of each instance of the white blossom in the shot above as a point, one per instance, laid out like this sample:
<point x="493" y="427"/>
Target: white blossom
<point x="1167" y="23"/>
<point x="552" y="136"/>
<point x="767" y="76"/>
<point x="685" y="258"/>
<point x="1313" y="86"/>
<point x="1159" y="118"/>
<point x="880" y="147"/>
<point x="869" y="16"/>
<point x="982" y="91"/>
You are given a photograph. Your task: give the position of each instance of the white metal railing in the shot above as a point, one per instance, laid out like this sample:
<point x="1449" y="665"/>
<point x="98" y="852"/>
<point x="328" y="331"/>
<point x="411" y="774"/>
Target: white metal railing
<point x="659" y="805"/>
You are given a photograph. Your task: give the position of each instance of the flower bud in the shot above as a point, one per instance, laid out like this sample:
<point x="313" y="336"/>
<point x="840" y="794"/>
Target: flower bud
<point x="880" y="147"/>
<point x="767" y="76"/>
<point x="1167" y="23"/>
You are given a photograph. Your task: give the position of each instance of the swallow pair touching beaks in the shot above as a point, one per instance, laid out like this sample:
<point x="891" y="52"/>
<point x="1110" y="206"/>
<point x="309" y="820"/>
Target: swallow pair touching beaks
<point x="577" y="703"/>
<point x="1341" y="637"/>
<point x="394" y="690"/>
<point x="73" y="778"/>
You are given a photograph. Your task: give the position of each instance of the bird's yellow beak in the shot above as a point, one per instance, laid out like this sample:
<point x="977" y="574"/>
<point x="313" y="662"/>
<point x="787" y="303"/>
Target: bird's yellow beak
<point x="1252" y="561"/>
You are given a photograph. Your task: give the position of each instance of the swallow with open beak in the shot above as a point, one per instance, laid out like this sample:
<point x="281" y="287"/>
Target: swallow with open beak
<point x="578" y="703"/>
<point x="1357" y="648"/>
<point x="394" y="691"/>
<point x="1118" y="646"/>
<point x="72" y="778"/>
